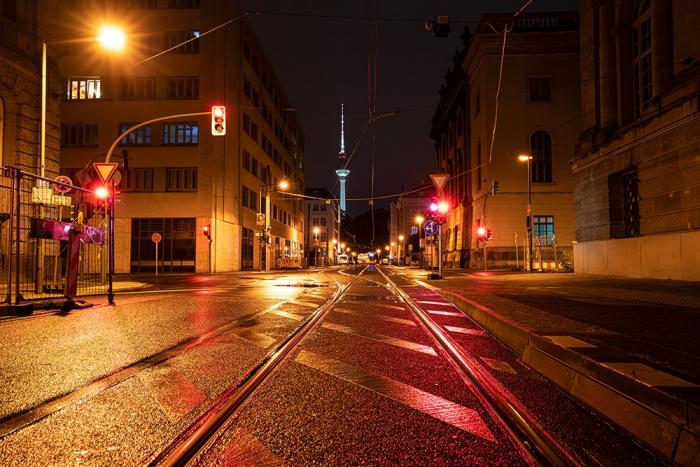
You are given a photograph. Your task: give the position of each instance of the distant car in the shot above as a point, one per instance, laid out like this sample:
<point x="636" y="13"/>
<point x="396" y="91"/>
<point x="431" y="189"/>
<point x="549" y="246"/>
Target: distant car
<point x="385" y="260"/>
<point x="363" y="258"/>
<point x="343" y="259"/>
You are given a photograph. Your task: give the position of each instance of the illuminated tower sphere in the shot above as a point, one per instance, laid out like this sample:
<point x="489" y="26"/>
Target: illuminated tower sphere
<point x="342" y="172"/>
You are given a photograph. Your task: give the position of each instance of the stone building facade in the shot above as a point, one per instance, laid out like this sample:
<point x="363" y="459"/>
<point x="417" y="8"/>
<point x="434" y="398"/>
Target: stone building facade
<point x="538" y="115"/>
<point x="21" y="33"/>
<point x="321" y="211"/>
<point x="180" y="178"/>
<point x="637" y="160"/>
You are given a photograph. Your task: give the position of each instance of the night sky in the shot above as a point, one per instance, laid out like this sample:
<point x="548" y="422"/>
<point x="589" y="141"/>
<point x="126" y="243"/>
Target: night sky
<point x="322" y="62"/>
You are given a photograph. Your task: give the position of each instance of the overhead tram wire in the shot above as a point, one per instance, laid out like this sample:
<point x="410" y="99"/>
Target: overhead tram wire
<point x="350" y="17"/>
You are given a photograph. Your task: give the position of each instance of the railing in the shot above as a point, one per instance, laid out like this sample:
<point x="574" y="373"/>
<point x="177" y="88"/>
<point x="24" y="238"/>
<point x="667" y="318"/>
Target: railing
<point x="40" y="220"/>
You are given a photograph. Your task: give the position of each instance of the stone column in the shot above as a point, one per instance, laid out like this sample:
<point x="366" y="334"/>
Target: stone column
<point x="607" y="70"/>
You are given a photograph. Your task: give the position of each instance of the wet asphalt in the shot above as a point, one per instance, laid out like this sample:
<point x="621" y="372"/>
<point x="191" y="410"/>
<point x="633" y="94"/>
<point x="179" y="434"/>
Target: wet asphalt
<point x="116" y="385"/>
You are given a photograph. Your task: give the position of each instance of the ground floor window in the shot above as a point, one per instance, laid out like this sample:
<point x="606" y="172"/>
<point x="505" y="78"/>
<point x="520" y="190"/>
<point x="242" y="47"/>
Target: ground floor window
<point x="543" y="229"/>
<point x="176" y="250"/>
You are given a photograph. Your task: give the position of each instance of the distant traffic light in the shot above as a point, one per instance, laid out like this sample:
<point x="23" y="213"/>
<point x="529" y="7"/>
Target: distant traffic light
<point x="207" y="232"/>
<point x="494" y="187"/>
<point x="218" y="120"/>
<point x="483" y="233"/>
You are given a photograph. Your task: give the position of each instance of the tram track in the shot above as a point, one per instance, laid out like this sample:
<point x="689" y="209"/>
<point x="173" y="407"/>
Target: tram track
<point x="194" y="441"/>
<point x="536" y="445"/>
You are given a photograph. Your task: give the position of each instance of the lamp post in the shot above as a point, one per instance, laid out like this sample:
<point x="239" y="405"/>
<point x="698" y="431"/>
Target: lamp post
<point x="419" y="220"/>
<point x="393" y="248"/>
<point x="401" y="248"/>
<point x="266" y="225"/>
<point x="110" y="38"/>
<point x="316" y="231"/>
<point x="528" y="158"/>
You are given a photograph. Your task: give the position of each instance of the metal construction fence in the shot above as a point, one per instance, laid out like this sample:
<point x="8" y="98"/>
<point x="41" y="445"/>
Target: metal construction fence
<point x="55" y="239"/>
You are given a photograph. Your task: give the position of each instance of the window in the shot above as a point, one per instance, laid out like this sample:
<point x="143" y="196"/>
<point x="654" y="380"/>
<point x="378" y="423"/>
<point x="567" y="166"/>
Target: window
<point x="641" y="57"/>
<point x="245" y="195"/>
<point x="181" y="179"/>
<point x="173" y="38"/>
<point x="246" y="160"/>
<point x="624" y="204"/>
<point x="181" y="133"/>
<point x="79" y="134"/>
<point x="414" y="230"/>
<point x="543" y="229"/>
<point x="246" y="123"/>
<point x="136" y="88"/>
<point x="541" y="147"/>
<point x="315" y="221"/>
<point x="138" y="137"/>
<point x="254" y="131"/>
<point x="83" y="89"/>
<point x="324" y="237"/>
<point x="323" y="221"/>
<point x="315" y="207"/>
<point x="322" y="207"/>
<point x="253" y="202"/>
<point x="254" y="170"/>
<point x="540" y="90"/>
<point x="137" y="180"/>
<point x="185" y="87"/>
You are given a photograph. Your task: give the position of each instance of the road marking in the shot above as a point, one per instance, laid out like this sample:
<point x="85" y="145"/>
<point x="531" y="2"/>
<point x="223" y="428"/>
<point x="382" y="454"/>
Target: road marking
<point x="570" y="342"/>
<point x="499" y="365"/>
<point x="285" y="314"/>
<point x="381" y="338"/>
<point x="650" y="375"/>
<point x="261" y="340"/>
<point x="174" y="392"/>
<point x="445" y="313"/>
<point x="365" y="314"/>
<point x="305" y="303"/>
<point x="246" y="449"/>
<point x="449" y="412"/>
<point x="470" y="331"/>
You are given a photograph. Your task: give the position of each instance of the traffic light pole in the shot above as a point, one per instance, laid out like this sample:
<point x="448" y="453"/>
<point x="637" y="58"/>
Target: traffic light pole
<point x="440" y="250"/>
<point x="529" y="212"/>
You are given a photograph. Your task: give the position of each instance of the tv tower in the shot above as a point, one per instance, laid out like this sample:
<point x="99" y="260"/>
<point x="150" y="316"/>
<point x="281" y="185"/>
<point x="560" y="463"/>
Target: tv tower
<point x="342" y="172"/>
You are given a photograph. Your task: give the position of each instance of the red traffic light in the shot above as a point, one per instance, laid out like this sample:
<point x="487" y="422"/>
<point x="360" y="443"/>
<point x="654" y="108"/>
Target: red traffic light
<point x="218" y="120"/>
<point x="483" y="233"/>
<point x="101" y="192"/>
<point x="443" y="206"/>
<point x="206" y="231"/>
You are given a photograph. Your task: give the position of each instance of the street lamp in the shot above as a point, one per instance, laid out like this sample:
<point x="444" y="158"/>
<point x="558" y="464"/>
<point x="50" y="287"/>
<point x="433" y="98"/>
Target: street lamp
<point x="419" y="220"/>
<point x="111" y="38"/>
<point x="401" y="247"/>
<point x="393" y="245"/>
<point x="528" y="158"/>
<point x="316" y="231"/>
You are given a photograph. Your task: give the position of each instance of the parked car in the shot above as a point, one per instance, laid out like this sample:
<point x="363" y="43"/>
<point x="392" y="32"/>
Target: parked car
<point x="343" y="259"/>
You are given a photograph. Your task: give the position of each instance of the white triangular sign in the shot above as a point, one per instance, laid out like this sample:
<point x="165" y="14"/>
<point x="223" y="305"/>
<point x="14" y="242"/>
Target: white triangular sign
<point x="105" y="170"/>
<point x="439" y="180"/>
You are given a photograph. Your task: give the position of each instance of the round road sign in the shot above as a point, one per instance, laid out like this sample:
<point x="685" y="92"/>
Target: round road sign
<point x="156" y="237"/>
<point x="431" y="227"/>
<point x="63" y="184"/>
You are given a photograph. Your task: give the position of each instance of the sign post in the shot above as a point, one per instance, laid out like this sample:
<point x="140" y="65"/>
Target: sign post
<point x="156" y="238"/>
<point x="439" y="181"/>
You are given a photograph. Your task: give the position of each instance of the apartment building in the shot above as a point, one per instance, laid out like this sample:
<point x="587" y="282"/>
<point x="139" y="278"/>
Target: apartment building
<point x="176" y="178"/>
<point x="538" y="116"/>
<point x="637" y="160"/>
<point x="322" y="226"/>
<point x="403" y="220"/>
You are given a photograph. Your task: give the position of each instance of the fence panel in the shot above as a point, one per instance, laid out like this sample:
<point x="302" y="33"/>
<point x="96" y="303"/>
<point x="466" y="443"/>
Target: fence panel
<point x="39" y="217"/>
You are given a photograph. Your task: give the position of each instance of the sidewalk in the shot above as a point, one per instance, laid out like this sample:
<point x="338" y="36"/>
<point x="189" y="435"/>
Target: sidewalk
<point x="628" y="348"/>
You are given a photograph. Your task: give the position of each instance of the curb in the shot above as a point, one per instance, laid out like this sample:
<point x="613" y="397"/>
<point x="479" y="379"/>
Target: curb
<point x="665" y="423"/>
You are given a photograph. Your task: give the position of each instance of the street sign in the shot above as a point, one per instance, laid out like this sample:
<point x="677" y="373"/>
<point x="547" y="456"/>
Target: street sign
<point x="105" y="170"/>
<point x="439" y="180"/>
<point x="410" y="247"/>
<point x="431" y="227"/>
<point x="63" y="184"/>
<point x="156" y="237"/>
<point x="260" y="219"/>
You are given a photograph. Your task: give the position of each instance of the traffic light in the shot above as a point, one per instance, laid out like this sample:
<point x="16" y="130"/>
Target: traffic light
<point x="483" y="233"/>
<point x="218" y="120"/>
<point x="494" y="187"/>
<point x="207" y="232"/>
<point x="101" y="192"/>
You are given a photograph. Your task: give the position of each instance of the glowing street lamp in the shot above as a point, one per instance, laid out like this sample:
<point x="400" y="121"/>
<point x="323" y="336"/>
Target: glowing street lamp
<point x="527" y="158"/>
<point x="316" y="231"/>
<point x="111" y="38"/>
<point x="401" y="247"/>
<point x="283" y="185"/>
<point x="419" y="220"/>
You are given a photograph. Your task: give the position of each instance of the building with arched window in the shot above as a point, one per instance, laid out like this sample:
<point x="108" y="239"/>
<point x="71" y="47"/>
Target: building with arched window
<point x="637" y="160"/>
<point x="538" y="115"/>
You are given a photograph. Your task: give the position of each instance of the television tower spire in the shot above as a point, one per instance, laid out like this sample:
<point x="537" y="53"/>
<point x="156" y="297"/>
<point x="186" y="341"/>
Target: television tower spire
<point x="342" y="172"/>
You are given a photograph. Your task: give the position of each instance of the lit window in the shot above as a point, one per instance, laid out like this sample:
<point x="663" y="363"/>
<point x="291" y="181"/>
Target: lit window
<point x="181" y="133"/>
<point x="543" y="229"/>
<point x="83" y="89"/>
<point x="138" y="137"/>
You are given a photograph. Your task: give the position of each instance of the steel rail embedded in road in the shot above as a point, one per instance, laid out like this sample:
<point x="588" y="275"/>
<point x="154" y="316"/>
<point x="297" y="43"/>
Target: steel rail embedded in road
<point x="193" y="442"/>
<point x="530" y="435"/>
